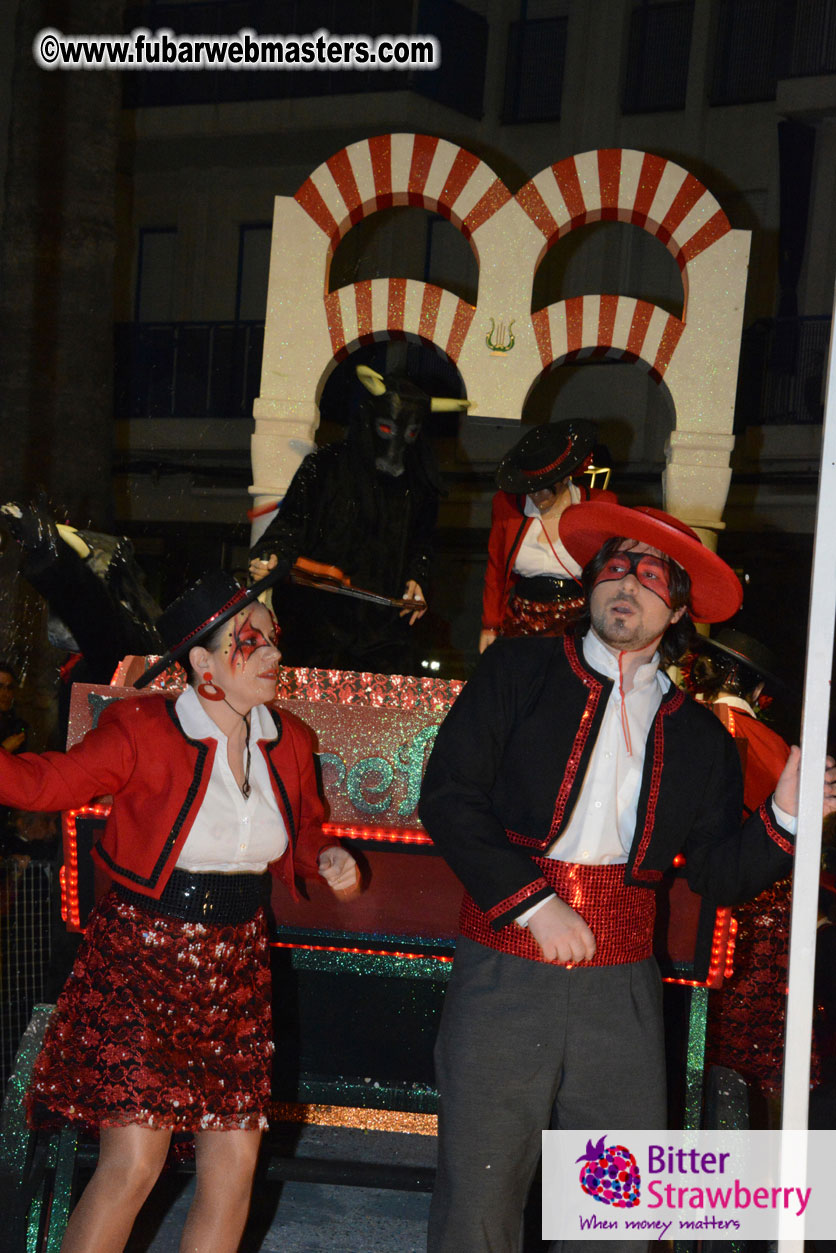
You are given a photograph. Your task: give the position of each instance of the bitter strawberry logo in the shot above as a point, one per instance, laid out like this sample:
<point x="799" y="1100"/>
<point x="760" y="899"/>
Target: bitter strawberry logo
<point x="610" y="1174"/>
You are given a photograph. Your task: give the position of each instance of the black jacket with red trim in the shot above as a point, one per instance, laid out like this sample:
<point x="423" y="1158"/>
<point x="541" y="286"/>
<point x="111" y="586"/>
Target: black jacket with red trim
<point x="510" y="759"/>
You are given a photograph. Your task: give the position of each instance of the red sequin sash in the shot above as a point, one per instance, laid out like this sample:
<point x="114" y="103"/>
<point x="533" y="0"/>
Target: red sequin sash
<point x="620" y="916"/>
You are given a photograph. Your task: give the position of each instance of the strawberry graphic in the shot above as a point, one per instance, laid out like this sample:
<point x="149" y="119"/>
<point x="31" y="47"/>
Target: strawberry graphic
<point x="610" y="1174"/>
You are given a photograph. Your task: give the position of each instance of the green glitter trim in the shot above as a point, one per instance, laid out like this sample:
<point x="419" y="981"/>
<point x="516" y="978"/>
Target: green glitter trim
<point x="386" y="967"/>
<point x="695" y="1058"/>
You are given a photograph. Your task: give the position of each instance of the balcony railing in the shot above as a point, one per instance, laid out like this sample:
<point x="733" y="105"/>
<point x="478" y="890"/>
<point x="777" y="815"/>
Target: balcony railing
<point x="187" y="369"/>
<point x="212" y="370"/>
<point x="781" y="379"/>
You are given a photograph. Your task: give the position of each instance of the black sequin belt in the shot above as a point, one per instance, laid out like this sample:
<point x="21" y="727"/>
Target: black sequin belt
<point x="220" y="899"/>
<point x="542" y="589"/>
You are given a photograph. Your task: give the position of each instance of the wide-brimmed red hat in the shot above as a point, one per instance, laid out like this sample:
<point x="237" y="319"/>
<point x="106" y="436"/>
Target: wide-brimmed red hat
<point x="716" y="593"/>
<point x="549" y="452"/>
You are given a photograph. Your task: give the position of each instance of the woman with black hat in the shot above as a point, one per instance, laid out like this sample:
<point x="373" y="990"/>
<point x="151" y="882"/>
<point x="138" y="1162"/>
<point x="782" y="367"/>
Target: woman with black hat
<point x="532" y="585"/>
<point x="733" y="672"/>
<point x="164" y="1024"/>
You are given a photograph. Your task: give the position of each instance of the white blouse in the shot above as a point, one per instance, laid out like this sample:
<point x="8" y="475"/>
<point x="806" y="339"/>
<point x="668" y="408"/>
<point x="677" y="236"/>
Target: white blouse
<point x="232" y="833"/>
<point x="535" y="556"/>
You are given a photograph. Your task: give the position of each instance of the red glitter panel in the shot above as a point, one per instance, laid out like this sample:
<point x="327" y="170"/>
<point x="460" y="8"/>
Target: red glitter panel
<point x="423" y="151"/>
<point x="683" y="202"/>
<point x="543" y="335"/>
<point x="351" y="687"/>
<point x="638" y="327"/>
<point x="609" y="176"/>
<point x="311" y="201"/>
<point x="574" y="324"/>
<point x="363" y="304"/>
<point x="430" y="304"/>
<point x="343" y="175"/>
<point x="651" y="173"/>
<point x="334" y="318"/>
<point x="714" y="229"/>
<point x="397" y="304"/>
<point x="667" y="345"/>
<point x="380" y="151"/>
<point x="460" y="171"/>
<point x="566" y="176"/>
<point x="533" y="204"/>
<point x="458" y="331"/>
<point x="494" y="198"/>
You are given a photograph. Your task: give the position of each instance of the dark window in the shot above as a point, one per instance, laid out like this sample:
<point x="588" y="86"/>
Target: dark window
<point x="813" y="43"/>
<point x="155" y="267"/>
<point x="657" y="57"/>
<point x="745" y="56"/>
<point x="463" y="36"/>
<point x="534" y="72"/>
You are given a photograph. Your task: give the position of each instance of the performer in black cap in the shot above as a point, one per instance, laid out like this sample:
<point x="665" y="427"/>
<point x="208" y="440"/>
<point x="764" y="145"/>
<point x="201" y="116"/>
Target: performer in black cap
<point x="532" y="584"/>
<point x="564" y="781"/>
<point x="164" y="1024"/>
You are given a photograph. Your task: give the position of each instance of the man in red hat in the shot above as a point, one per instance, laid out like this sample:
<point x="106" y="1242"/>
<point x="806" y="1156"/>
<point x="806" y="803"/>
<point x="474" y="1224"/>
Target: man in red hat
<point x="566" y="778"/>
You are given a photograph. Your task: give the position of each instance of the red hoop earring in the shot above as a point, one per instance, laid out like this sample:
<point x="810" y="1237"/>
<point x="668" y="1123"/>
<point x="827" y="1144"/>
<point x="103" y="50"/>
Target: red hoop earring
<point x="209" y="689"/>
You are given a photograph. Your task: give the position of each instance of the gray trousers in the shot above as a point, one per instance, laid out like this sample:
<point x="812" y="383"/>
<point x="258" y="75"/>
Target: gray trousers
<point x="523" y="1047"/>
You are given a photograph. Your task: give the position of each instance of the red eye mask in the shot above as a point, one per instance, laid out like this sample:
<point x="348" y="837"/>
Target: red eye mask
<point x="654" y="573"/>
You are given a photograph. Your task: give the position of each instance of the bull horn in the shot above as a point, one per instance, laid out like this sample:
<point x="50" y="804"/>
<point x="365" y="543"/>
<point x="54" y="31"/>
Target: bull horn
<point x="371" y="380"/>
<point x="446" y="404"/>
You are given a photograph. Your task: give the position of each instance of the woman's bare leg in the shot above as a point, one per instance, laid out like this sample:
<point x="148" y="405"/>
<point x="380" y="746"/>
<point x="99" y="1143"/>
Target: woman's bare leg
<point x="225" y="1162"/>
<point x="130" y="1160"/>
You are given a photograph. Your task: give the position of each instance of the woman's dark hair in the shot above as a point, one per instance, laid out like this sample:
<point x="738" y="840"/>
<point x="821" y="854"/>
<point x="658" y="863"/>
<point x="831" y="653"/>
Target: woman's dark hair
<point x="713" y="672"/>
<point x="210" y="642"/>
<point x="679" y="635"/>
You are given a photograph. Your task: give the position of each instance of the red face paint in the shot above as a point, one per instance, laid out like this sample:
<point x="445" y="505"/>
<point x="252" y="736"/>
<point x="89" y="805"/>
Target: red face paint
<point x="654" y="573"/>
<point x="247" y="639"/>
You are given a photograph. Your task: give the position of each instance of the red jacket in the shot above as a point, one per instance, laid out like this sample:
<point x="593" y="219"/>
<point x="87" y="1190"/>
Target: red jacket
<point x="508" y="527"/>
<point x="158" y="777"/>
<point x="763" y="754"/>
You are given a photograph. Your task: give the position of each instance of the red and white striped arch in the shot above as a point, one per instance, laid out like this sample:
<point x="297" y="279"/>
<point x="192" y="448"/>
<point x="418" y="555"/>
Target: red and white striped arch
<point x="388" y="170"/>
<point x="394" y="308"/>
<point x="619" y="184"/>
<point x="619" y="328"/>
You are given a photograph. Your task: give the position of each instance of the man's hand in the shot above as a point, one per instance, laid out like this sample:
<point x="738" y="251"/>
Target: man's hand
<point x="412" y="591"/>
<point x="561" y="933"/>
<point x="786" y="789"/>
<point x="13" y="742"/>
<point x="339" y="870"/>
<point x="259" y="568"/>
<point x="486" y="638"/>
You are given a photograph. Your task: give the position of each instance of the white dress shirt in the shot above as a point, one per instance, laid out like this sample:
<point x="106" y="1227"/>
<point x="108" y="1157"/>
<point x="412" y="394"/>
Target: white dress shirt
<point x="232" y="833"/>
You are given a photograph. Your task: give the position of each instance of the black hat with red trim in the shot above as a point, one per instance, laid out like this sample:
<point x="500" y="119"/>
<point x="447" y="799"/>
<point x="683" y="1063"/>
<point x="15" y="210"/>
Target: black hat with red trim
<point x="716" y="593"/>
<point x="548" y="453"/>
<point x="197" y="612"/>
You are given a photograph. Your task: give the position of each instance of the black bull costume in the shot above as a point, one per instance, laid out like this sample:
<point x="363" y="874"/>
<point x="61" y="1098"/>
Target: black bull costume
<point x="368" y="505"/>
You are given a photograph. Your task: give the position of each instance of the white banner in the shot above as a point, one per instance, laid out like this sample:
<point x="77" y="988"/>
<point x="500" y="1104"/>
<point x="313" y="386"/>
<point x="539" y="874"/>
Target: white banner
<point x="688" y="1185"/>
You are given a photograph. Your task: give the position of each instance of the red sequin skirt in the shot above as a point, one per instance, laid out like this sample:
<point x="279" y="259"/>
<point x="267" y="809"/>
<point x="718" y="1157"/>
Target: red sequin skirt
<point x="534" y="617"/>
<point x="162" y="1023"/>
